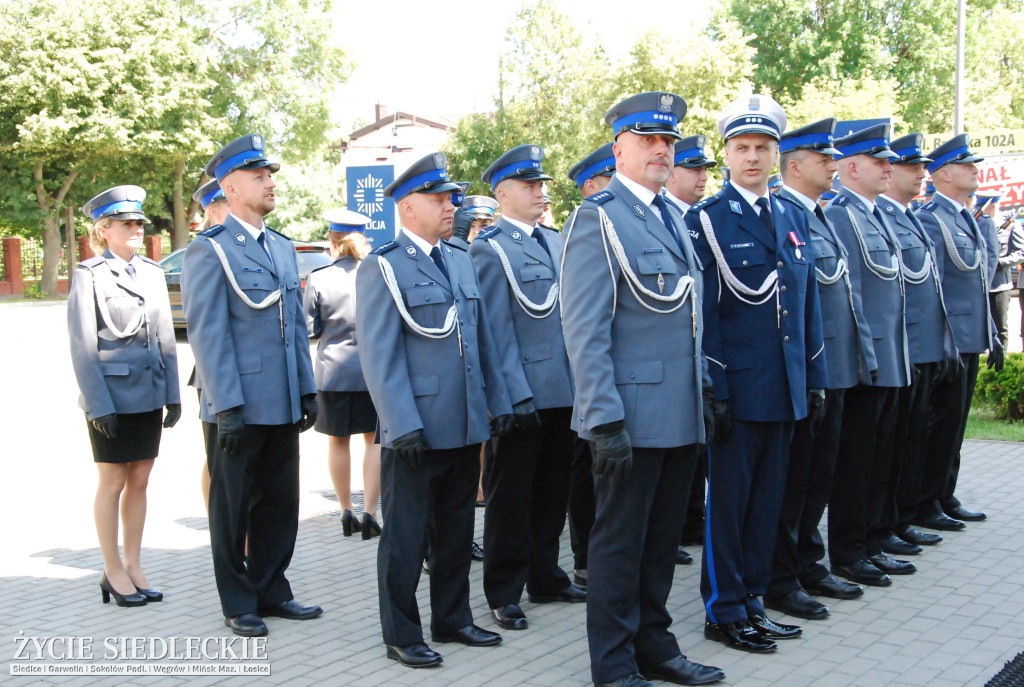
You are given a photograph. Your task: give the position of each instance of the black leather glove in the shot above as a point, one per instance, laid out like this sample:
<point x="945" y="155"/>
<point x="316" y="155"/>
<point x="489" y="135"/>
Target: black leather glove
<point x="723" y="421"/>
<point x="526" y="415"/>
<point x="996" y="355"/>
<point x="230" y="429"/>
<point x="874" y="377"/>
<point x="309" y="411"/>
<point x="172" y="415"/>
<point x="106" y="425"/>
<point x="411" y="447"/>
<point x="707" y="397"/>
<point x="502" y="425"/>
<point x="462" y="223"/>
<point x="815" y="405"/>
<point x="613" y="456"/>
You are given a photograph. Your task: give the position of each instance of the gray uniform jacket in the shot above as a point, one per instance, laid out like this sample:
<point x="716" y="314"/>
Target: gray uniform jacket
<point x="874" y="254"/>
<point x="998" y="248"/>
<point x="444" y="386"/>
<point x="532" y="349"/>
<point x="963" y="273"/>
<point x="122" y="374"/>
<point x="929" y="336"/>
<point x="848" y="346"/>
<point x="249" y="357"/>
<point x="330" y="305"/>
<point x="628" y="361"/>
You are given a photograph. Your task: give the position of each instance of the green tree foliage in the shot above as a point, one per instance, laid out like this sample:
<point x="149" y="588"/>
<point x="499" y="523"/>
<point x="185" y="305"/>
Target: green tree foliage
<point x="557" y="86"/>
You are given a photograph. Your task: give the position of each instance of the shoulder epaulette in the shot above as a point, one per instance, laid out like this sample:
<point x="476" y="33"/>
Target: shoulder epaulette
<point x="930" y="205"/>
<point x="489" y="232"/>
<point x="601" y="197"/>
<point x="840" y="201"/>
<point x="390" y="245"/>
<point x="321" y="267"/>
<point x="213" y="231"/>
<point x="703" y="203"/>
<point x="785" y="199"/>
<point x="91" y="262"/>
<point x="454" y="245"/>
<point x="149" y="260"/>
<point x="275" y="231"/>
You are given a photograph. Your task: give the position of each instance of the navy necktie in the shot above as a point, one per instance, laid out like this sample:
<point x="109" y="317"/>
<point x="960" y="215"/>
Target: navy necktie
<point x="766" y="214"/>
<point x="970" y="222"/>
<point x="130" y="269"/>
<point x="435" y="255"/>
<point x="538" y="234"/>
<point x="262" y="240"/>
<point x="820" y="214"/>
<point x="666" y="218"/>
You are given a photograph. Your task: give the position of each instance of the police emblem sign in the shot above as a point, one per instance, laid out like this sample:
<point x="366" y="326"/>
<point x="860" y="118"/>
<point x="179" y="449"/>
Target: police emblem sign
<point x="365" y="193"/>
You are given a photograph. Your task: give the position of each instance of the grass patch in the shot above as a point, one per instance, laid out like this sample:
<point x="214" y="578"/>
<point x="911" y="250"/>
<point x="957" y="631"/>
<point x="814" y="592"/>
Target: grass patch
<point x="982" y="424"/>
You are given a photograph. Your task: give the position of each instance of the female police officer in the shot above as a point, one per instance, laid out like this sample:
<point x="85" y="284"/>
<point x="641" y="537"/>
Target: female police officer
<point x="122" y="349"/>
<point x="345" y="404"/>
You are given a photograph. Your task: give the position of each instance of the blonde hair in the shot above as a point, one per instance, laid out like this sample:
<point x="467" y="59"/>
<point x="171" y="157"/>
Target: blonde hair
<point x="97" y="242"/>
<point x="351" y="243"/>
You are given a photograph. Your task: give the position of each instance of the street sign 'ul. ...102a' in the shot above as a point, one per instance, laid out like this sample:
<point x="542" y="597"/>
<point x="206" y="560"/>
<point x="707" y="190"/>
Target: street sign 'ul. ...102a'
<point x="365" y="194"/>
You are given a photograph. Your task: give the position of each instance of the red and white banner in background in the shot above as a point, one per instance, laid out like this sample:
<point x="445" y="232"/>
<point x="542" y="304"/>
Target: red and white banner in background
<point x="1003" y="175"/>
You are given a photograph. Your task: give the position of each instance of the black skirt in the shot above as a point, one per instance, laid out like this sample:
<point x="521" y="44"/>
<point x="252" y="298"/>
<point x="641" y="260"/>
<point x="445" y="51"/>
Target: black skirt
<point x="138" y="438"/>
<point x="344" y="413"/>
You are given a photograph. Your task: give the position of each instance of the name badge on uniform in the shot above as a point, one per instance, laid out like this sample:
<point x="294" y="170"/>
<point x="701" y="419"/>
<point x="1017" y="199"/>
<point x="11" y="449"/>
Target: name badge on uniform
<point x="741" y="245"/>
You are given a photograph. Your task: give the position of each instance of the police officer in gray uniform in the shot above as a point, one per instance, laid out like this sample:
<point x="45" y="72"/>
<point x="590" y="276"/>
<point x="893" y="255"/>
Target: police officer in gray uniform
<point x="930" y="345"/>
<point x="808" y="166"/>
<point x="434" y="374"/>
<point x="240" y="290"/>
<point x="961" y="257"/>
<point x="866" y="439"/>
<point x="528" y="477"/>
<point x="631" y="293"/>
<point x="998" y="240"/>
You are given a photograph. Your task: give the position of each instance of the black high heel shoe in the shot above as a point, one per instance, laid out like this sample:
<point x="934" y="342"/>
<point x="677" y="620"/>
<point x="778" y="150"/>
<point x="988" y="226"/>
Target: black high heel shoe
<point x="151" y="594"/>
<point x="349" y="523"/>
<point x="370" y="526"/>
<point x="136" y="599"/>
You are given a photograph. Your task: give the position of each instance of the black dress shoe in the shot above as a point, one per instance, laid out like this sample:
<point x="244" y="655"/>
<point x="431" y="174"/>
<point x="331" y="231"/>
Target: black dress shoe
<point x="834" y="588"/>
<point x="680" y="671"/>
<point x="798" y="604"/>
<point x="769" y="629"/>
<point x="961" y="513"/>
<point x="888" y="564"/>
<point x="370" y="526"/>
<point x="914" y="536"/>
<point x="510" y="617"/>
<point x="349" y="523"/>
<point x="107" y="590"/>
<point x="579" y="578"/>
<point x="151" y="594"/>
<point x="940" y="521"/>
<point x="898" y="547"/>
<point x="470" y="635"/>
<point x="682" y="557"/>
<point x="632" y="680"/>
<point x="478" y="552"/>
<point x="863" y="572"/>
<point x="739" y="635"/>
<point x="415" y="655"/>
<point x="571" y="595"/>
<point x="247" y="625"/>
<point x="292" y="610"/>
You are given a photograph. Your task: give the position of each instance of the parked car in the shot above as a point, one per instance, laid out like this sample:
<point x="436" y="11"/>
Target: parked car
<point x="308" y="255"/>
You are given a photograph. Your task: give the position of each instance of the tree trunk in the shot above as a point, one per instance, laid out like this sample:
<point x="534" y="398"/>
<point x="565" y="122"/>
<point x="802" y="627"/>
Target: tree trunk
<point x="50" y="207"/>
<point x="180" y="235"/>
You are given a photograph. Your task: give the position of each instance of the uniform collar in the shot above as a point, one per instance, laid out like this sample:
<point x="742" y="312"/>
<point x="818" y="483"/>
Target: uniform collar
<point x="869" y="203"/>
<point x="644" y="194"/>
<point x="521" y="225"/>
<point x="423" y="244"/>
<point x="683" y="207"/>
<point x="752" y="197"/>
<point x="119" y="263"/>
<point x="253" y="231"/>
<point x="949" y="200"/>
<point x="894" y="201"/>
<point x="808" y="203"/>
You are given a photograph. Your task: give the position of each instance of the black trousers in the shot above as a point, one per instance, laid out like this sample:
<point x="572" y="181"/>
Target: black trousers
<point x="432" y="504"/>
<point x="581" y="502"/>
<point x="999" y="301"/>
<point x="525" y="514"/>
<point x="910" y="450"/>
<point x="254" y="492"/>
<point x="632" y="563"/>
<point x="693" y="526"/>
<point x="950" y="405"/>
<point x="862" y="473"/>
<point x="799" y="548"/>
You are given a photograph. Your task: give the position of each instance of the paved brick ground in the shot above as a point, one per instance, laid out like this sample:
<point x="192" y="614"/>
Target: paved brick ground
<point x="954" y="623"/>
